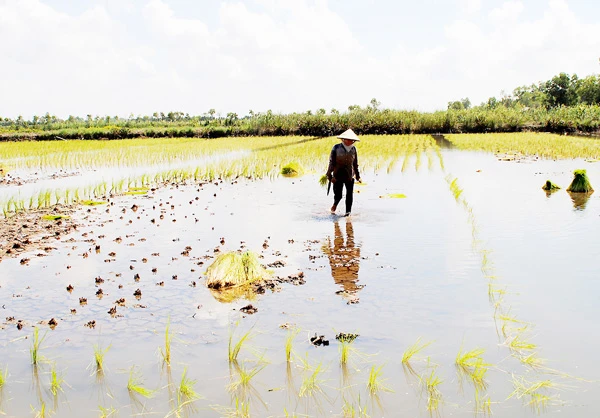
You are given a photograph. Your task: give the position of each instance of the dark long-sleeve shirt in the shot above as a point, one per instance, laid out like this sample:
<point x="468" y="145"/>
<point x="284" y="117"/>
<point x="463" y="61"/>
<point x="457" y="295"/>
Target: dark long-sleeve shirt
<point x="343" y="165"/>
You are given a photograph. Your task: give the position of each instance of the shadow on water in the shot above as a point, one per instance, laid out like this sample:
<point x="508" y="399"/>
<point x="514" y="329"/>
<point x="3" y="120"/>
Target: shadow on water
<point x="344" y="260"/>
<point x="442" y="142"/>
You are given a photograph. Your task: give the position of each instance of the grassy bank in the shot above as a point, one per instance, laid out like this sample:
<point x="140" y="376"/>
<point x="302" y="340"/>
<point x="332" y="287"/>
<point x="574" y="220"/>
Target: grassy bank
<point x="582" y="118"/>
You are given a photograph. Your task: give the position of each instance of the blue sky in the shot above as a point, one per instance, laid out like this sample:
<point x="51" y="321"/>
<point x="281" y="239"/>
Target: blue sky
<point x="122" y="57"/>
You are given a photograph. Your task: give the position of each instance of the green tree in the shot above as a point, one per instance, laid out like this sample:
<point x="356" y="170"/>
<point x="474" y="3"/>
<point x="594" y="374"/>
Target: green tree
<point x="588" y="90"/>
<point x="460" y="104"/>
<point x="560" y="91"/>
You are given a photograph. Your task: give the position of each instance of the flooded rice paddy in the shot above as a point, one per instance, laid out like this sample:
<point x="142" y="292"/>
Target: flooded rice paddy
<point x="477" y="259"/>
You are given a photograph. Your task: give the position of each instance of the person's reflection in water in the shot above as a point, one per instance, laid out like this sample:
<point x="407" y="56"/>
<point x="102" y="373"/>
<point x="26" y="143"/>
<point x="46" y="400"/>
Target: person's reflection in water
<point x="344" y="259"/>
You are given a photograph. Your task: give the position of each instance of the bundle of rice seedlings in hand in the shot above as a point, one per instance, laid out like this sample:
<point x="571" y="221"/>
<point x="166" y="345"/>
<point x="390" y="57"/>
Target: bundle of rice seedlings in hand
<point x="234" y="269"/>
<point x="291" y="170"/>
<point x="323" y="180"/>
<point x="549" y="186"/>
<point x="580" y="183"/>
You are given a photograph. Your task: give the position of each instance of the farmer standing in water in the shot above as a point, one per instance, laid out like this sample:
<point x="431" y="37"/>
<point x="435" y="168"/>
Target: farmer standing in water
<point x="343" y="169"/>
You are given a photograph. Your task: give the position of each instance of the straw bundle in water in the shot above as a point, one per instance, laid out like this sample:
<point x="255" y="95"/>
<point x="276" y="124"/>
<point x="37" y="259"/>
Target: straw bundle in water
<point x="580" y="183"/>
<point x="235" y="269"/>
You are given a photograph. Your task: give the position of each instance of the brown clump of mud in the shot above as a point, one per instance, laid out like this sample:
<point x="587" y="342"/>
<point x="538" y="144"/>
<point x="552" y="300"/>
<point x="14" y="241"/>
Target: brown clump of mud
<point x="28" y="231"/>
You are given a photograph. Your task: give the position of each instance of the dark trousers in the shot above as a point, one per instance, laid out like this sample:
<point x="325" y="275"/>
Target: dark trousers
<point x="337" y="193"/>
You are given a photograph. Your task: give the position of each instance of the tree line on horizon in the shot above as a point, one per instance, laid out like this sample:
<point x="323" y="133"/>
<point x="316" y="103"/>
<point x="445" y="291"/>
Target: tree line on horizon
<point x="561" y="90"/>
<point x="563" y="104"/>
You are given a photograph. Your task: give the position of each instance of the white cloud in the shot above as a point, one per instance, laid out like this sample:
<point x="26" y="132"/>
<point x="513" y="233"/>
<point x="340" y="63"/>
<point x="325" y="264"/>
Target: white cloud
<point x="122" y="58"/>
<point x="510" y="10"/>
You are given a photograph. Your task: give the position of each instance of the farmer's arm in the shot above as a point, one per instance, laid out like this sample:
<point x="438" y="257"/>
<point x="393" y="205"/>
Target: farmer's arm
<point x="331" y="164"/>
<point x="356" y="167"/>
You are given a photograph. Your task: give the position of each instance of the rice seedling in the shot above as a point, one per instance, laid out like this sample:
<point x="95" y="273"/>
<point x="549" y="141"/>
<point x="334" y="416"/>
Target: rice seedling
<point x="434" y="396"/>
<point x="289" y="343"/>
<point x="545" y="145"/>
<point x="234" y="349"/>
<point x="99" y="354"/>
<point x="350" y="410"/>
<point x="106" y="412"/>
<point x="245" y="376"/>
<point x="375" y="383"/>
<point x="186" y="391"/>
<point x="534" y="394"/>
<point x="36" y="346"/>
<point x="414" y="349"/>
<point x="166" y="353"/>
<point x="3" y="377"/>
<point x="518" y="344"/>
<point x="311" y="383"/>
<point x="468" y="358"/>
<point x="532" y="360"/>
<point x="344" y="351"/>
<point x="580" y="183"/>
<point x="323" y="180"/>
<point x="41" y="413"/>
<point x="56" y="381"/>
<point x="134" y="385"/>
<point x="549" y="186"/>
<point x="235" y="269"/>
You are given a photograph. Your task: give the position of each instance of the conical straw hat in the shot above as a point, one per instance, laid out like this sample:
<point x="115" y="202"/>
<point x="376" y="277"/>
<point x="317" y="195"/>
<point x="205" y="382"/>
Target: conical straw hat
<point x="349" y="134"/>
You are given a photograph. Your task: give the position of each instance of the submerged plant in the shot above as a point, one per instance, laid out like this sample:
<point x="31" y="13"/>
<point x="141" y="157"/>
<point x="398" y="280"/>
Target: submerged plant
<point x="235" y="269"/>
<point x="580" y="183"/>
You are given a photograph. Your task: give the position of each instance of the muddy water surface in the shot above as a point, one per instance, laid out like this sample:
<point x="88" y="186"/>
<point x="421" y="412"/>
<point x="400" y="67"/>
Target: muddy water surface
<point x="395" y="271"/>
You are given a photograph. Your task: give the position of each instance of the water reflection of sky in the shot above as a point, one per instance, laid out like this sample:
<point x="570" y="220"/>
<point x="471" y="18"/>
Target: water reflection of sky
<point x="419" y="265"/>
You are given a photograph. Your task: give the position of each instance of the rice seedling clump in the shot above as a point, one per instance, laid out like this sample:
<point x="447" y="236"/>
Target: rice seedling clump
<point x="291" y="170"/>
<point x="580" y="183"/>
<point x="234" y="269"/>
<point x="549" y="186"/>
